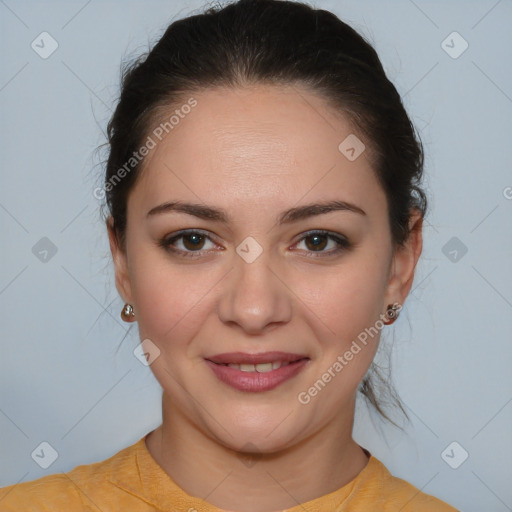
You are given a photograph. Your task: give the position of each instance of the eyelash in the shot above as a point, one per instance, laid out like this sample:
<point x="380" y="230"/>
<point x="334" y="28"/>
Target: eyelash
<point x="342" y="243"/>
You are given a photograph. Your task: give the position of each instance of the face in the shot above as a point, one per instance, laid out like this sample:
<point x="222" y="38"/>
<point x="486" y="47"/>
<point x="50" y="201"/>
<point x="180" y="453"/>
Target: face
<point x="243" y="276"/>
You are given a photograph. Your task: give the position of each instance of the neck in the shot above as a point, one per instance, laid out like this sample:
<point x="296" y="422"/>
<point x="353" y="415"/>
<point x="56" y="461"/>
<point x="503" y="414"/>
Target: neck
<point x="203" y="467"/>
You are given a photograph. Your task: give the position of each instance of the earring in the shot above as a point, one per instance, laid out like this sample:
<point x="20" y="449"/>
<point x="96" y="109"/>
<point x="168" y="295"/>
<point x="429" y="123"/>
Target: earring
<point x="392" y="313"/>
<point x="127" y="313"/>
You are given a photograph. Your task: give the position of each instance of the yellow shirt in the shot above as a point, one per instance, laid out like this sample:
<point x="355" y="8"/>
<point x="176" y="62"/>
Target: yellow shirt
<point x="132" y="481"/>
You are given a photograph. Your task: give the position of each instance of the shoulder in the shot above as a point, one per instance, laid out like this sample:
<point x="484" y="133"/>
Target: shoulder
<point x="394" y="494"/>
<point x="82" y="488"/>
<point x="50" y="492"/>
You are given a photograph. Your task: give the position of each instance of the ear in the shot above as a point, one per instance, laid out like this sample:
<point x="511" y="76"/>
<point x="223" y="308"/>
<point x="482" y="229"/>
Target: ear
<point x="120" y="264"/>
<point x="404" y="262"/>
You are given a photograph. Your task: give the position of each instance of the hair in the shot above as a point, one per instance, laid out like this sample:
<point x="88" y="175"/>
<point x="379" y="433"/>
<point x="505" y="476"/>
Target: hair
<point x="275" y="42"/>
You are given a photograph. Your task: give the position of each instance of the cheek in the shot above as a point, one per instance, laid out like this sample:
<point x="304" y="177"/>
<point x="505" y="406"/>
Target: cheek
<point x="347" y="298"/>
<point x="170" y="300"/>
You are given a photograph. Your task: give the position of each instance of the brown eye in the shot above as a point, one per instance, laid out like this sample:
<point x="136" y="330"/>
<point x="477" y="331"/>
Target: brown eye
<point x="193" y="241"/>
<point x="187" y="243"/>
<point x="318" y="241"/>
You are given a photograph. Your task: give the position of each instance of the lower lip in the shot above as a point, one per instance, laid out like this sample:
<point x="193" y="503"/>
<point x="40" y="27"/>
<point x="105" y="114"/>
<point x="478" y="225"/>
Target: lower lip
<point x="254" y="381"/>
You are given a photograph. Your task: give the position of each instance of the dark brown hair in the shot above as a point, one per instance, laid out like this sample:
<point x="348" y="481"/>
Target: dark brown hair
<point x="273" y="42"/>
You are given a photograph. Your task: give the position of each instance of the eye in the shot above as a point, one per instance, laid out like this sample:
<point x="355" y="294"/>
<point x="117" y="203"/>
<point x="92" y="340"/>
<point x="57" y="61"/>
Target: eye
<point x="317" y="241"/>
<point x="190" y="241"/>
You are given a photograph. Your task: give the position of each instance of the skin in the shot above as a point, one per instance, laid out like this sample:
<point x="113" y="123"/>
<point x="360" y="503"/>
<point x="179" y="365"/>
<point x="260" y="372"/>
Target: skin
<point x="255" y="152"/>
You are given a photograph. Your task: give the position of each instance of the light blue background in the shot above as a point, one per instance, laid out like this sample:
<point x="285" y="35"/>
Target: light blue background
<point x="61" y="379"/>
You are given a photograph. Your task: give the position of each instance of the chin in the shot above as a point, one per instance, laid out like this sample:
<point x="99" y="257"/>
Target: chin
<point x="262" y="438"/>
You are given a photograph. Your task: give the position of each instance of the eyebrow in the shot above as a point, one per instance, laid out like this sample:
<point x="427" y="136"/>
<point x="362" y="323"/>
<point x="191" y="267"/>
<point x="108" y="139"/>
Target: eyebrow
<point x="286" y="217"/>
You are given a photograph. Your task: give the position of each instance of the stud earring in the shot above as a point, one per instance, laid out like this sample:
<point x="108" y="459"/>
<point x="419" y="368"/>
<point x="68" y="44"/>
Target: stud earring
<point x="392" y="313"/>
<point x="127" y="313"/>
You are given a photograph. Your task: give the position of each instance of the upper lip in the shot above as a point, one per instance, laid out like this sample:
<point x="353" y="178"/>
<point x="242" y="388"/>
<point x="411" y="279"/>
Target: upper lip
<point x="261" y="357"/>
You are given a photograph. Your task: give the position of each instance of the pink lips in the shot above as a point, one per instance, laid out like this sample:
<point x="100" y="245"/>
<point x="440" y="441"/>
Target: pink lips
<point x="255" y="381"/>
<point x="262" y="357"/>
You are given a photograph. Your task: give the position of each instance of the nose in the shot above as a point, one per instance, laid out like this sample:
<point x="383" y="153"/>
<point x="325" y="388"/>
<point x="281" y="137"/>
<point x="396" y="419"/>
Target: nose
<point x="256" y="297"/>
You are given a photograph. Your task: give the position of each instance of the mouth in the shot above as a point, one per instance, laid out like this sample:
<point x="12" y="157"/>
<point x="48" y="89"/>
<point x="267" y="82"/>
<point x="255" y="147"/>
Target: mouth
<point x="261" y="362"/>
<point x="260" y="367"/>
<point x="256" y="372"/>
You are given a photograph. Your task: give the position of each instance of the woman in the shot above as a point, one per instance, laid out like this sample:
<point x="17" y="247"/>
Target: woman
<point x="265" y="217"/>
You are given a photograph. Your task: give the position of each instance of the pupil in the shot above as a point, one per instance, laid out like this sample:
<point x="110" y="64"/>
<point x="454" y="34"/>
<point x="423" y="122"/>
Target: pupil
<point x="194" y="244"/>
<point x="317" y="237"/>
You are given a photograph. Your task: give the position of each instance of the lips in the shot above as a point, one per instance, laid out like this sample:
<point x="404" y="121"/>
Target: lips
<point x="256" y="372"/>
<point x="254" y="359"/>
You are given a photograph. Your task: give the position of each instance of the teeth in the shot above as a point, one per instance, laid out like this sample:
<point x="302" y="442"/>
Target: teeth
<point x="260" y="368"/>
<point x="264" y="367"/>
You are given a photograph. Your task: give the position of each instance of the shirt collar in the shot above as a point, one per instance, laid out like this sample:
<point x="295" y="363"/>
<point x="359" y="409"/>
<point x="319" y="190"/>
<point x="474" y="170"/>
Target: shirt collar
<point x="151" y="484"/>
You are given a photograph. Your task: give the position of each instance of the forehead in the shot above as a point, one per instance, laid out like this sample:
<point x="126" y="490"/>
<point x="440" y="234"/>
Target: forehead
<point x="258" y="145"/>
